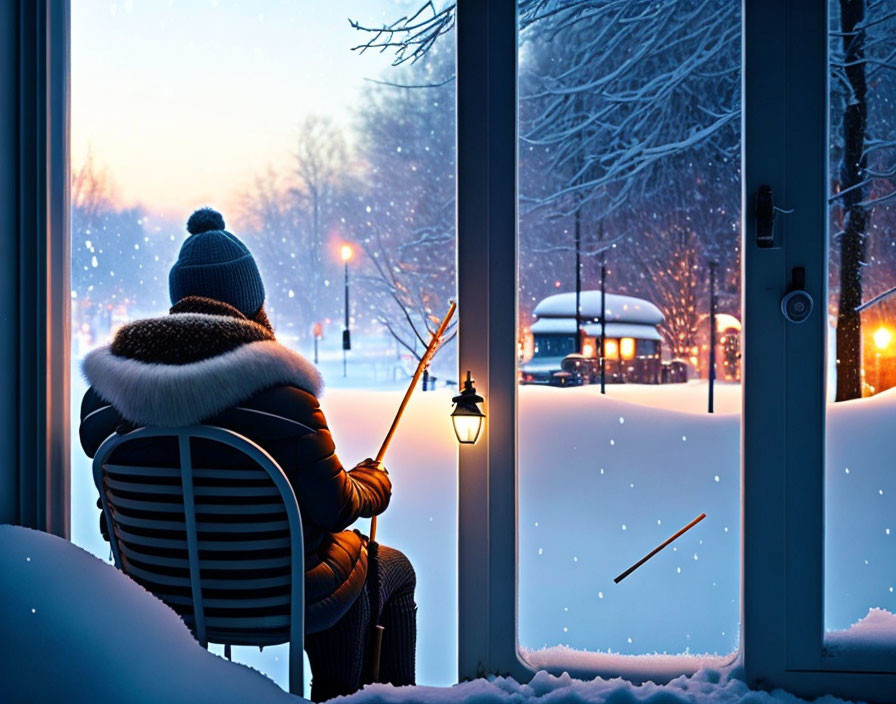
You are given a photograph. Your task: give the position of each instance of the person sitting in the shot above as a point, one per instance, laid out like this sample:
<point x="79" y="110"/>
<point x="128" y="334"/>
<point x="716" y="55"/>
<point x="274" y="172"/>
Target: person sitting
<point x="216" y="354"/>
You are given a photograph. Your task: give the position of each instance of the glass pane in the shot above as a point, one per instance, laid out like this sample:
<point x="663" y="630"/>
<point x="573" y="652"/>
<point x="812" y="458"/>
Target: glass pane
<point x="265" y="112"/>
<point x="860" y="486"/>
<point x="629" y="187"/>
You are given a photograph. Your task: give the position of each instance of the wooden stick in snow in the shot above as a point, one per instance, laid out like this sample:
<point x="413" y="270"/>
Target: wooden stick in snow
<point x="659" y="547"/>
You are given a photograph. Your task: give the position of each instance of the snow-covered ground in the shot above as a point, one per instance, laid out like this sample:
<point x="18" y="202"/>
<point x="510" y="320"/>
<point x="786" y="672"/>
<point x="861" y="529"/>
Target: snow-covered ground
<point x="77" y="630"/>
<point x="691" y="397"/>
<point x="615" y="479"/>
<point x="602" y="481"/>
<point x="860" y="509"/>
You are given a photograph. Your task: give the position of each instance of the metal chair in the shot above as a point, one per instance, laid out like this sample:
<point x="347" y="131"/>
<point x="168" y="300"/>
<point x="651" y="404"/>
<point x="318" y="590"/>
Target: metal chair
<point x="221" y="546"/>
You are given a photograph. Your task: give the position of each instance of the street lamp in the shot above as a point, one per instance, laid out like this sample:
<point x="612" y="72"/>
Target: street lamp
<point x="712" y="333"/>
<point x="317" y="331"/>
<point x="466" y="416"/>
<point x="346" y="253"/>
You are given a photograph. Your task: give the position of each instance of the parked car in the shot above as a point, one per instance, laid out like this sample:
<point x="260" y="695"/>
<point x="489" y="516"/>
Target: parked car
<point x="580" y="369"/>
<point x="675" y="372"/>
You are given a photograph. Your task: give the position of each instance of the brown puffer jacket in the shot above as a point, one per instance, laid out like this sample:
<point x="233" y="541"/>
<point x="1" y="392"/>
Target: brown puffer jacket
<point x="207" y="363"/>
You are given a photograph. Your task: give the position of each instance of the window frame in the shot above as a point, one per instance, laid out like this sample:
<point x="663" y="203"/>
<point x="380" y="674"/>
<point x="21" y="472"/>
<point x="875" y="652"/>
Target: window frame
<point x="786" y="66"/>
<point x="785" y="145"/>
<point x="34" y="201"/>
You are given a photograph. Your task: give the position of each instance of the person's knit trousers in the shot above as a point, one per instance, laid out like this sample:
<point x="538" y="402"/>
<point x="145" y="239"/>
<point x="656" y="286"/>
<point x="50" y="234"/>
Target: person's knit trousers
<point x="340" y="655"/>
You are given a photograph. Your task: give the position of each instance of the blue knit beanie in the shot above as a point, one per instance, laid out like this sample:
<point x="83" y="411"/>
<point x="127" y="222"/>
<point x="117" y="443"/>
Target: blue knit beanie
<point x="215" y="264"/>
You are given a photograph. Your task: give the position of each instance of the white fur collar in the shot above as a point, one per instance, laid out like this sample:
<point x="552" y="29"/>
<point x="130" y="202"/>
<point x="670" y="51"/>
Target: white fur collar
<point x="184" y="394"/>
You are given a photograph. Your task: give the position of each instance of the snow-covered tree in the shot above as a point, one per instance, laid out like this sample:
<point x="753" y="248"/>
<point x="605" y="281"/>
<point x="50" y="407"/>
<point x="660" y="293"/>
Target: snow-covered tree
<point x="120" y="256"/>
<point x="863" y="131"/>
<point x="297" y="218"/>
<point x="635" y="106"/>
<point x="404" y="218"/>
<point x="626" y="110"/>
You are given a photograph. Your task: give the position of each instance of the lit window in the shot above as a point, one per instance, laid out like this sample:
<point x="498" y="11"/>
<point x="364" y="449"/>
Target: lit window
<point x="627" y="347"/>
<point x="611" y="349"/>
<point x="589" y="347"/>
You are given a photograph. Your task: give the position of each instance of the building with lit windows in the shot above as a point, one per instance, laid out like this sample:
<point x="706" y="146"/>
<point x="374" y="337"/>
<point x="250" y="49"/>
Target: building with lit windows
<point x="632" y="343"/>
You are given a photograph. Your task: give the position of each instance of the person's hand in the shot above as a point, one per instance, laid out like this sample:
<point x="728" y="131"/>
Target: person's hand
<point x="370" y="463"/>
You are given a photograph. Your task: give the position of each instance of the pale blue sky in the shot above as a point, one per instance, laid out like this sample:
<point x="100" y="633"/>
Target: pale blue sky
<point x="185" y="101"/>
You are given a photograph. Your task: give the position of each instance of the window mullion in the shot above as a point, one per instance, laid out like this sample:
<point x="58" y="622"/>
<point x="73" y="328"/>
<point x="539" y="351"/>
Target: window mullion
<point x="487" y="297"/>
<point x="785" y="146"/>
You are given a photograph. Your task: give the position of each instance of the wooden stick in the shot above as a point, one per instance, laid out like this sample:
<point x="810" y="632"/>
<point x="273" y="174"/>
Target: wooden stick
<point x="659" y="547"/>
<point x="376" y="653"/>
<point x="424" y="361"/>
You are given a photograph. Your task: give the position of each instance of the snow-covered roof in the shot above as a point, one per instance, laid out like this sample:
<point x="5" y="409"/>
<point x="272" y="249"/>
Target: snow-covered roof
<point x="624" y="309"/>
<point x="560" y="326"/>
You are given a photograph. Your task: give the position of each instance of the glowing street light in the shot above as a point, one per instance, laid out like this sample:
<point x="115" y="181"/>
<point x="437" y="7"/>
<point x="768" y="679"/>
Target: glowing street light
<point x="466" y="416"/>
<point x="882" y="338"/>
<point x="346" y="252"/>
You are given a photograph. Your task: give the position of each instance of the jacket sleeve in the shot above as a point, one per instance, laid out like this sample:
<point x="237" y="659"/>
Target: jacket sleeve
<point x="98" y="421"/>
<point x="331" y="496"/>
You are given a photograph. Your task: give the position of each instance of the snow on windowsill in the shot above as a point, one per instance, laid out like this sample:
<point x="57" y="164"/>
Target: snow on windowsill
<point x="875" y="632"/>
<point x="706" y="686"/>
<point x="640" y="668"/>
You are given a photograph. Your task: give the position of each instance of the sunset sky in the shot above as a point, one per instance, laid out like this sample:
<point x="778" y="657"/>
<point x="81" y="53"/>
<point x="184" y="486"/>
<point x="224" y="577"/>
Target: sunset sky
<point x="184" y="102"/>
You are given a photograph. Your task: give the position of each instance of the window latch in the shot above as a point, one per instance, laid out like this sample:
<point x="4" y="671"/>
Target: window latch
<point x="765" y="217"/>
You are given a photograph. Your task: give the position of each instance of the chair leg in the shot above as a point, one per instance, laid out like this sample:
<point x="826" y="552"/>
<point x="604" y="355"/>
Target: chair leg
<point x="296" y="669"/>
<point x="227" y="651"/>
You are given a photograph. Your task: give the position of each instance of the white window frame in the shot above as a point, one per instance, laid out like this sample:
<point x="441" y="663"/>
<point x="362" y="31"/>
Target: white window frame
<point x="785" y="130"/>
<point x="786" y="145"/>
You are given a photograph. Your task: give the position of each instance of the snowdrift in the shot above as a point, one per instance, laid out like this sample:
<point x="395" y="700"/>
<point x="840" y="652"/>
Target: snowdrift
<point x="77" y="630"/>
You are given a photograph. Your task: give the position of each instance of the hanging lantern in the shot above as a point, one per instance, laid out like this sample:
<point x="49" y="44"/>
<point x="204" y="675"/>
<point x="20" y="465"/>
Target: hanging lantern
<point x="466" y="416"/>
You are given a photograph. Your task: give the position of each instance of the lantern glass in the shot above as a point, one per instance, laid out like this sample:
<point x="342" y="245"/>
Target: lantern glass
<point x="466" y="416"/>
<point x="466" y="427"/>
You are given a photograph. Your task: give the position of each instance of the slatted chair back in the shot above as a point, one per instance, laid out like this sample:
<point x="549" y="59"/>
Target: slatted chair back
<point x="221" y="545"/>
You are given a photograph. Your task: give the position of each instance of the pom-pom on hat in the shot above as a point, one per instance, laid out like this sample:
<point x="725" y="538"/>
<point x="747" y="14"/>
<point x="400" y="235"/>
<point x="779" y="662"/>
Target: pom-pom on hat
<point x="214" y="264"/>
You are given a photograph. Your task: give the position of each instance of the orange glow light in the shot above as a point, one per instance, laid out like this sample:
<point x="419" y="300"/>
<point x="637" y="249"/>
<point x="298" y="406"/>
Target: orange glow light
<point x="882" y="338"/>
<point x="627" y="347"/>
<point x="611" y="349"/>
<point x="589" y="346"/>
<point x="346" y="252"/>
